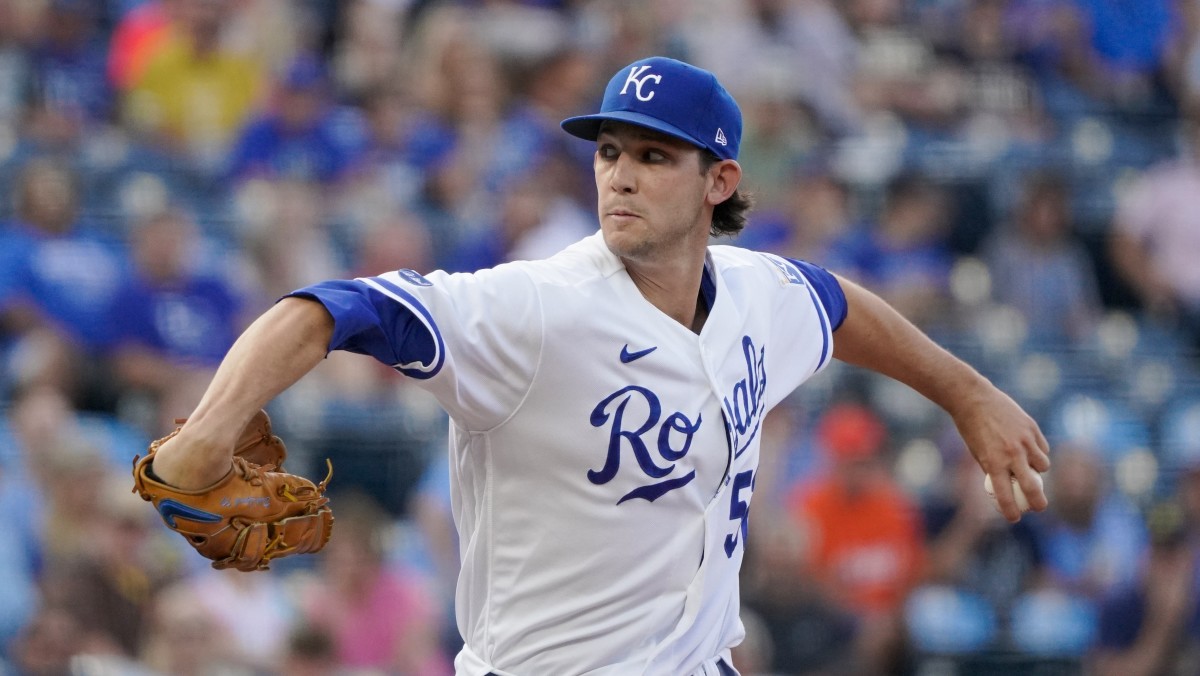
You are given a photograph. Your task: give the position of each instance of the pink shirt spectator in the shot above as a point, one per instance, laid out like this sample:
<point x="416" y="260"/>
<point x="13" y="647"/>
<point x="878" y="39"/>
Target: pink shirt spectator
<point x="384" y="629"/>
<point x="1161" y="210"/>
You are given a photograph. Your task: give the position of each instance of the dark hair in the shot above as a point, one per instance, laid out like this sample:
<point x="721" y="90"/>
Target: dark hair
<point x="729" y="217"/>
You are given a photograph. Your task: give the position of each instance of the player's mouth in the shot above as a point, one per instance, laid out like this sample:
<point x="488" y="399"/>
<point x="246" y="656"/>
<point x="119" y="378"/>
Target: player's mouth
<point x="622" y="214"/>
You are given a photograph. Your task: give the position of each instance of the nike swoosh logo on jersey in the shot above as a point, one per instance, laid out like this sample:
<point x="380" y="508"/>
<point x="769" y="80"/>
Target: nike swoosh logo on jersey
<point x="627" y="356"/>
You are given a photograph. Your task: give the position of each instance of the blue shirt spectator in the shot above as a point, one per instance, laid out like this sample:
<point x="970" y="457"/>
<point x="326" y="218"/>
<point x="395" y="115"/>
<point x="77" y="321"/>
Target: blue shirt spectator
<point x="1092" y="539"/>
<point x="175" y="315"/>
<point x="69" y="64"/>
<point x="1131" y="36"/>
<point x="904" y="256"/>
<point x="303" y="138"/>
<point x="190" y="320"/>
<point x="68" y="280"/>
<point x="55" y="273"/>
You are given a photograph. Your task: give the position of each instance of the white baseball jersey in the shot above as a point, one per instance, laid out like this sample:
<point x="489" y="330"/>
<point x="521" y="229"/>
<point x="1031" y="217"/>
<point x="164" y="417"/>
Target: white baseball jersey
<point x="602" y="454"/>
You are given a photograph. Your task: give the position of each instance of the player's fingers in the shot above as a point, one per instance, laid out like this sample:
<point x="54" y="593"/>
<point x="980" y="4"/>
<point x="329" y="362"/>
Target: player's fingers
<point x="1039" y="457"/>
<point x="1031" y="484"/>
<point x="1006" y="501"/>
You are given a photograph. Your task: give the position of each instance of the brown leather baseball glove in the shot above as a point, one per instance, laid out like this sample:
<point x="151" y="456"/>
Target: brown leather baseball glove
<point x="256" y="513"/>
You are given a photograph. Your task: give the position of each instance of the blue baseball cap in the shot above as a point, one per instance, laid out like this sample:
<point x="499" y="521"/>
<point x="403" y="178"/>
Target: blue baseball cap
<point x="672" y="97"/>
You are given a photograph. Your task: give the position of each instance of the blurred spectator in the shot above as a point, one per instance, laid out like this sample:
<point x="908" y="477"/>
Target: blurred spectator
<point x="1156" y="234"/>
<point x="383" y="179"/>
<point x="195" y="94"/>
<point x="994" y="95"/>
<point x="866" y="545"/>
<point x="274" y="32"/>
<point x="176" y="319"/>
<point x="184" y="639"/>
<point x="1039" y="269"/>
<point x="38" y="417"/>
<point x="904" y="257"/>
<point x="617" y="32"/>
<point x="1128" y="50"/>
<point x="380" y="618"/>
<point x="76" y="469"/>
<point x="253" y="611"/>
<point x="897" y="70"/>
<point x="311" y="653"/>
<point x="367" y="57"/>
<point x="46" y="645"/>
<point x="70" y="88"/>
<point x="394" y="241"/>
<point x="809" y="629"/>
<point x="814" y="214"/>
<point x="302" y="137"/>
<point x="533" y="221"/>
<point x="1092" y="539"/>
<point x="754" y="43"/>
<point x="974" y="550"/>
<point x="108" y="585"/>
<point x="754" y="655"/>
<point x="60" y="282"/>
<point x="1153" y="625"/>
<point x="547" y="90"/>
<point x="284" y="231"/>
<point x="779" y="135"/>
<point x="1095" y="56"/>
<point x="15" y="68"/>
<point x="453" y="141"/>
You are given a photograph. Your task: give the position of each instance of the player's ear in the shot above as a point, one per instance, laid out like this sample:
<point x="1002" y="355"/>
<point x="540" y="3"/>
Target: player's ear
<point x="725" y="176"/>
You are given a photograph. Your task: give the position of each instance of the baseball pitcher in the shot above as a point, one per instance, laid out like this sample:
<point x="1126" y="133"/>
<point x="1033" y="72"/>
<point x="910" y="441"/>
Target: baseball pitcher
<point x="605" y="403"/>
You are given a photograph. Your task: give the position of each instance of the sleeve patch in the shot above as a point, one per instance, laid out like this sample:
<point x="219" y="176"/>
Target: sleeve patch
<point x="413" y="277"/>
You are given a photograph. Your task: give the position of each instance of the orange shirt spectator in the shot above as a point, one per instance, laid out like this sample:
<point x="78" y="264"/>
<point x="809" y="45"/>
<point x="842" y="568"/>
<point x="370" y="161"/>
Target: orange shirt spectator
<point x="866" y="544"/>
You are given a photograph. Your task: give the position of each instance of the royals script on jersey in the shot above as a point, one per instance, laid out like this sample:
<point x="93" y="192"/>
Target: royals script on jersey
<point x="602" y="455"/>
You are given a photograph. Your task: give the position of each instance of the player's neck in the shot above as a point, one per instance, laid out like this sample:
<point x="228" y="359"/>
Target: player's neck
<point x="674" y="289"/>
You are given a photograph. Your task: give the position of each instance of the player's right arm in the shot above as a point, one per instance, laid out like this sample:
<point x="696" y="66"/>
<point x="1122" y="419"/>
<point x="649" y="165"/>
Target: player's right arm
<point x="1003" y="438"/>
<point x="279" y="348"/>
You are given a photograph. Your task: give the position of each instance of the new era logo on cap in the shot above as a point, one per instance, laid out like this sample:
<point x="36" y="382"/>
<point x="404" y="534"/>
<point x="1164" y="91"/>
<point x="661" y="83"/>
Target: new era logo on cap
<point x="672" y="97"/>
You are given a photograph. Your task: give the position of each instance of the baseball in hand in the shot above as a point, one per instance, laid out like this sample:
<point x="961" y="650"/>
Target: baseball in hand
<point x="1022" y="501"/>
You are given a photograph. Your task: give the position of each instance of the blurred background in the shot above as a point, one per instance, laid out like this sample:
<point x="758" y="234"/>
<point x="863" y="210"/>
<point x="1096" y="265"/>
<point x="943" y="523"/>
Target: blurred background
<point x="1020" y="177"/>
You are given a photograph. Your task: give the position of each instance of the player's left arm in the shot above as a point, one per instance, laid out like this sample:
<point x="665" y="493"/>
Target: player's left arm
<point x="1003" y="438"/>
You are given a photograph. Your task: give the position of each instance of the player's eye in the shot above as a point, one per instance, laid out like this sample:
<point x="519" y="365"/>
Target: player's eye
<point x="607" y="151"/>
<point x="655" y="156"/>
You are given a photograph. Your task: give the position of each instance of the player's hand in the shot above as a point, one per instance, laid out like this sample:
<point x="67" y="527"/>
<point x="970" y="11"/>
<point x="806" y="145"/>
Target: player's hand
<point x="1005" y="441"/>
<point x="190" y="461"/>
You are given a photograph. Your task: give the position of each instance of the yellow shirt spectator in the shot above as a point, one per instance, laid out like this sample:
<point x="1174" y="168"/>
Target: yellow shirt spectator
<point x="195" y="102"/>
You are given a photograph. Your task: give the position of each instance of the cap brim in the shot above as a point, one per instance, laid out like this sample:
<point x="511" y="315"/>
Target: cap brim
<point x="588" y="126"/>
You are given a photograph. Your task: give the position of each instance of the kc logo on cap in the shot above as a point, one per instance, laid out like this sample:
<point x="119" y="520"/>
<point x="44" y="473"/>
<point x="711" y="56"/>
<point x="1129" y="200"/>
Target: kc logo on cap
<point x="637" y="84"/>
<point x="672" y="97"/>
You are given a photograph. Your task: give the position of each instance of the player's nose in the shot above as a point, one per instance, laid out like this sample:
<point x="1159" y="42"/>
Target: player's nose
<point x="622" y="175"/>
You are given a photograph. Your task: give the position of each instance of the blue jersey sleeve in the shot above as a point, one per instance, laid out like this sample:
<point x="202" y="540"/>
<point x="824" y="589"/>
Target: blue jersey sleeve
<point x="381" y="320"/>
<point x="828" y="290"/>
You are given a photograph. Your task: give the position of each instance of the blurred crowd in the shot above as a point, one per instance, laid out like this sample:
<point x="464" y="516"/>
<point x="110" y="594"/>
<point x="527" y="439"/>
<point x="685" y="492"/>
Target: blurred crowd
<point x="1019" y="177"/>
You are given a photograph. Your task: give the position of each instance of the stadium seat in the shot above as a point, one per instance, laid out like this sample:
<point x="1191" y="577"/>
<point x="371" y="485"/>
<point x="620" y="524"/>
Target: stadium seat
<point x="943" y="620"/>
<point x="1051" y="623"/>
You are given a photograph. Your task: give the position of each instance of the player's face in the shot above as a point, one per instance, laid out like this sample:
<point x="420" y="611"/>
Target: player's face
<point x="651" y="192"/>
